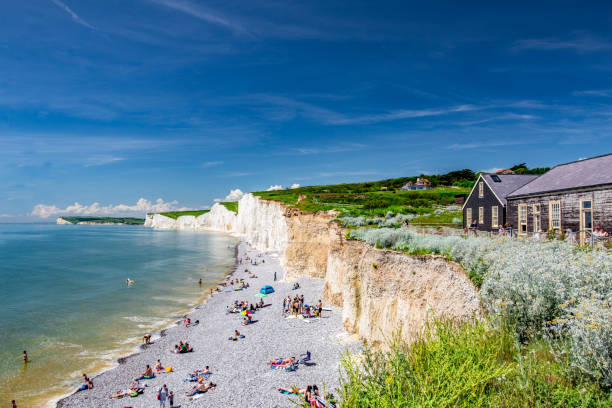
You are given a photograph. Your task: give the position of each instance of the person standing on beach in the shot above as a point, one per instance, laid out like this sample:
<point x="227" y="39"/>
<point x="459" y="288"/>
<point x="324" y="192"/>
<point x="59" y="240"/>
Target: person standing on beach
<point x="162" y="394"/>
<point x="200" y="282"/>
<point x="274" y="276"/>
<point x="25" y="357"/>
<point x="171" y="399"/>
<point x="13" y="404"/>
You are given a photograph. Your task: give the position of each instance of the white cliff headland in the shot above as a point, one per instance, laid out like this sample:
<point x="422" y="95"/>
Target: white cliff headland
<point x="379" y="291"/>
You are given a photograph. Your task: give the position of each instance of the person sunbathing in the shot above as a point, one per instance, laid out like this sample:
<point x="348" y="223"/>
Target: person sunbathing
<point x="280" y="361"/>
<point x="148" y="372"/>
<point x="203" y="387"/>
<point x="158" y="366"/>
<point x="135" y="387"/>
<point x="292" y="390"/>
<point x="120" y="394"/>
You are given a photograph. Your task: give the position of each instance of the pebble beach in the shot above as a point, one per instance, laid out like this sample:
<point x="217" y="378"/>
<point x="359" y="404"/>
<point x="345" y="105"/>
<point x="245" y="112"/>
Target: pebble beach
<point x="240" y="372"/>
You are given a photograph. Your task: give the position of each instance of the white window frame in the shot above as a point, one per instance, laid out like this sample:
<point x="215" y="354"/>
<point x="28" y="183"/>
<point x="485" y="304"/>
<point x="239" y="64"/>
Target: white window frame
<point x="468" y="216"/>
<point x="537" y="214"/>
<point x="494" y="216"/>
<point x="522" y="219"/>
<point x="551" y="219"/>
<point x="480" y="215"/>
<point x="481" y="189"/>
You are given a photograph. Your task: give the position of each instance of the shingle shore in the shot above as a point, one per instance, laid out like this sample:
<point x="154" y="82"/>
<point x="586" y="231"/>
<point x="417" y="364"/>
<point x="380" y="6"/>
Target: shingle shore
<point x="239" y="367"/>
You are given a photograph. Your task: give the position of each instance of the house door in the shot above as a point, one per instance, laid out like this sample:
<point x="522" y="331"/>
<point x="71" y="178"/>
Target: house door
<point x="586" y="220"/>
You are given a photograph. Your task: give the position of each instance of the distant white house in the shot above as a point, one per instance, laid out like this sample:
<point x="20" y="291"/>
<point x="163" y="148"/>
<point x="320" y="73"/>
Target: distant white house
<point x="419" y="184"/>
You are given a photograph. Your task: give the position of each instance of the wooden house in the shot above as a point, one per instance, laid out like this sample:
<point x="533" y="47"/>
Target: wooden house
<point x="574" y="196"/>
<point x="486" y="203"/>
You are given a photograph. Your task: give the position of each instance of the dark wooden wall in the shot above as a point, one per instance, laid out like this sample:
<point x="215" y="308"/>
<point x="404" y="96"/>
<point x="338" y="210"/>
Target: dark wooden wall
<point x="570" y="209"/>
<point x="489" y="200"/>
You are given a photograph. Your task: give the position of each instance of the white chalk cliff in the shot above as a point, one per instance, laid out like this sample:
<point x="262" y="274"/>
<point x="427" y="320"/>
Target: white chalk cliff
<point x="379" y="291"/>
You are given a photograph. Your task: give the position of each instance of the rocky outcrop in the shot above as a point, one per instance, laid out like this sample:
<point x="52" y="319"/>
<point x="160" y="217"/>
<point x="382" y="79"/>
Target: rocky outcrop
<point x="379" y="291"/>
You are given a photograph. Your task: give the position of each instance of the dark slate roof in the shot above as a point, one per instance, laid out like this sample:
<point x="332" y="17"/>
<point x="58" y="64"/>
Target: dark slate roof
<point x="509" y="183"/>
<point x="582" y="173"/>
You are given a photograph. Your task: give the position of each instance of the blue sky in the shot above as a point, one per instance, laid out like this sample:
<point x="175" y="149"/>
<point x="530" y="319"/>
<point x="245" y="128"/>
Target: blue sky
<point x="112" y="102"/>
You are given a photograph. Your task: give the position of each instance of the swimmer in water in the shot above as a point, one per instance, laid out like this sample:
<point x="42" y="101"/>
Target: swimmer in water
<point x="25" y="357"/>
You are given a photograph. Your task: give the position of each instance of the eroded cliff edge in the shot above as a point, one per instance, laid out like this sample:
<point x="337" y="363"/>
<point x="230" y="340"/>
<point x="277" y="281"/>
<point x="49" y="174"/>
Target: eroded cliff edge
<point x="380" y="291"/>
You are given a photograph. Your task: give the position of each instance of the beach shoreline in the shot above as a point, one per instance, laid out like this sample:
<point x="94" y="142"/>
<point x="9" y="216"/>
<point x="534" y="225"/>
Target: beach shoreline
<point x="134" y="350"/>
<point x="272" y="334"/>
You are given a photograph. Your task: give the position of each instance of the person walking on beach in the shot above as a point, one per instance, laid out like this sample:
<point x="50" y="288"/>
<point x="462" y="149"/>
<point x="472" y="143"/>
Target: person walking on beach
<point x="200" y="282"/>
<point x="13" y="404"/>
<point x="274" y="276"/>
<point x="162" y="394"/>
<point x="25" y="357"/>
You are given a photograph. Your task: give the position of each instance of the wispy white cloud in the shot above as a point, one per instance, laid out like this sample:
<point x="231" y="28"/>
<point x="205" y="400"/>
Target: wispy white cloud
<point x="485" y="144"/>
<point x="340" y="148"/>
<point x="141" y="207"/>
<point x="594" y="92"/>
<point x="295" y="185"/>
<point x="101" y="160"/>
<point x="275" y="187"/>
<point x="212" y="163"/>
<point x="72" y="14"/>
<point x="579" y="42"/>
<point x="404" y="114"/>
<point x="199" y="12"/>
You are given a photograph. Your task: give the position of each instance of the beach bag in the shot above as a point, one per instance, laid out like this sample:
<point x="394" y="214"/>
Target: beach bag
<point x="158" y="396"/>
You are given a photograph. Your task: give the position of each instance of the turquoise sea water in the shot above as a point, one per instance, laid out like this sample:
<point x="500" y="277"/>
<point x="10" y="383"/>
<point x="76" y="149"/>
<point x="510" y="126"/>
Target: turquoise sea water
<point x="63" y="297"/>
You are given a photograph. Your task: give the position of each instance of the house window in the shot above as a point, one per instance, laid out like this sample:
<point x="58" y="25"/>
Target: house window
<point x="480" y="189"/>
<point x="480" y="215"/>
<point x="554" y="215"/>
<point x="586" y="219"/>
<point x="522" y="218"/>
<point x="537" y="219"/>
<point x="494" y="216"/>
<point x="468" y="217"/>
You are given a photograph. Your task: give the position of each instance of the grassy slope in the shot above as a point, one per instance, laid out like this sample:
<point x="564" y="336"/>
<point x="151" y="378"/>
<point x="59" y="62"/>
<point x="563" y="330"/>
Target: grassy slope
<point x="231" y="205"/>
<point x="368" y="199"/>
<point x="175" y="214"/>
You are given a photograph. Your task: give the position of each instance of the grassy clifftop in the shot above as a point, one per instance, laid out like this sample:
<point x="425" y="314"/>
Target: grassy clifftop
<point x="175" y="214"/>
<point x="377" y="198"/>
<point x="106" y="220"/>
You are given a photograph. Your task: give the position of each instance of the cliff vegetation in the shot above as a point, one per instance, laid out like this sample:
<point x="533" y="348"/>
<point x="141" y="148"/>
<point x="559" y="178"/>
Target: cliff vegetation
<point x="105" y="220"/>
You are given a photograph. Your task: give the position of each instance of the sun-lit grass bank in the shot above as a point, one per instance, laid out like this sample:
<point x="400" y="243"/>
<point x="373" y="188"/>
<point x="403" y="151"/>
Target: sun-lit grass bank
<point x="464" y="365"/>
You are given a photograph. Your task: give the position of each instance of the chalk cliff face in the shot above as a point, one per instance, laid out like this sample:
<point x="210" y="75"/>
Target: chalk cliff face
<point x="61" y="221"/>
<point x="379" y="291"/>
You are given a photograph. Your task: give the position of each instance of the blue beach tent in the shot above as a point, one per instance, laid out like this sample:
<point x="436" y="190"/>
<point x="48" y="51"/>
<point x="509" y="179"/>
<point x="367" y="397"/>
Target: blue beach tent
<point x="267" y="289"/>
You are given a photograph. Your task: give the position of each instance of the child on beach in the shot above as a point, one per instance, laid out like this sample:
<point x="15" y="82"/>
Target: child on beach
<point x="171" y="399"/>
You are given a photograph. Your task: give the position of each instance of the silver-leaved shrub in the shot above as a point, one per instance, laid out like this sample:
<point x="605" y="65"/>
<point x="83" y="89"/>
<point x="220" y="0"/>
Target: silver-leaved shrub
<point x="543" y="287"/>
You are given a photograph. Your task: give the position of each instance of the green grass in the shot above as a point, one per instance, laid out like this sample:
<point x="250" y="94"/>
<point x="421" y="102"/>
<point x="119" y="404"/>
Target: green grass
<point x="175" y="214"/>
<point x="365" y="198"/>
<point x="463" y="365"/>
<point x="118" y="220"/>
<point x="231" y="205"/>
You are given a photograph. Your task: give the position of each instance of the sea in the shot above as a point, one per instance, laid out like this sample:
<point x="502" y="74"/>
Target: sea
<point x="64" y="298"/>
